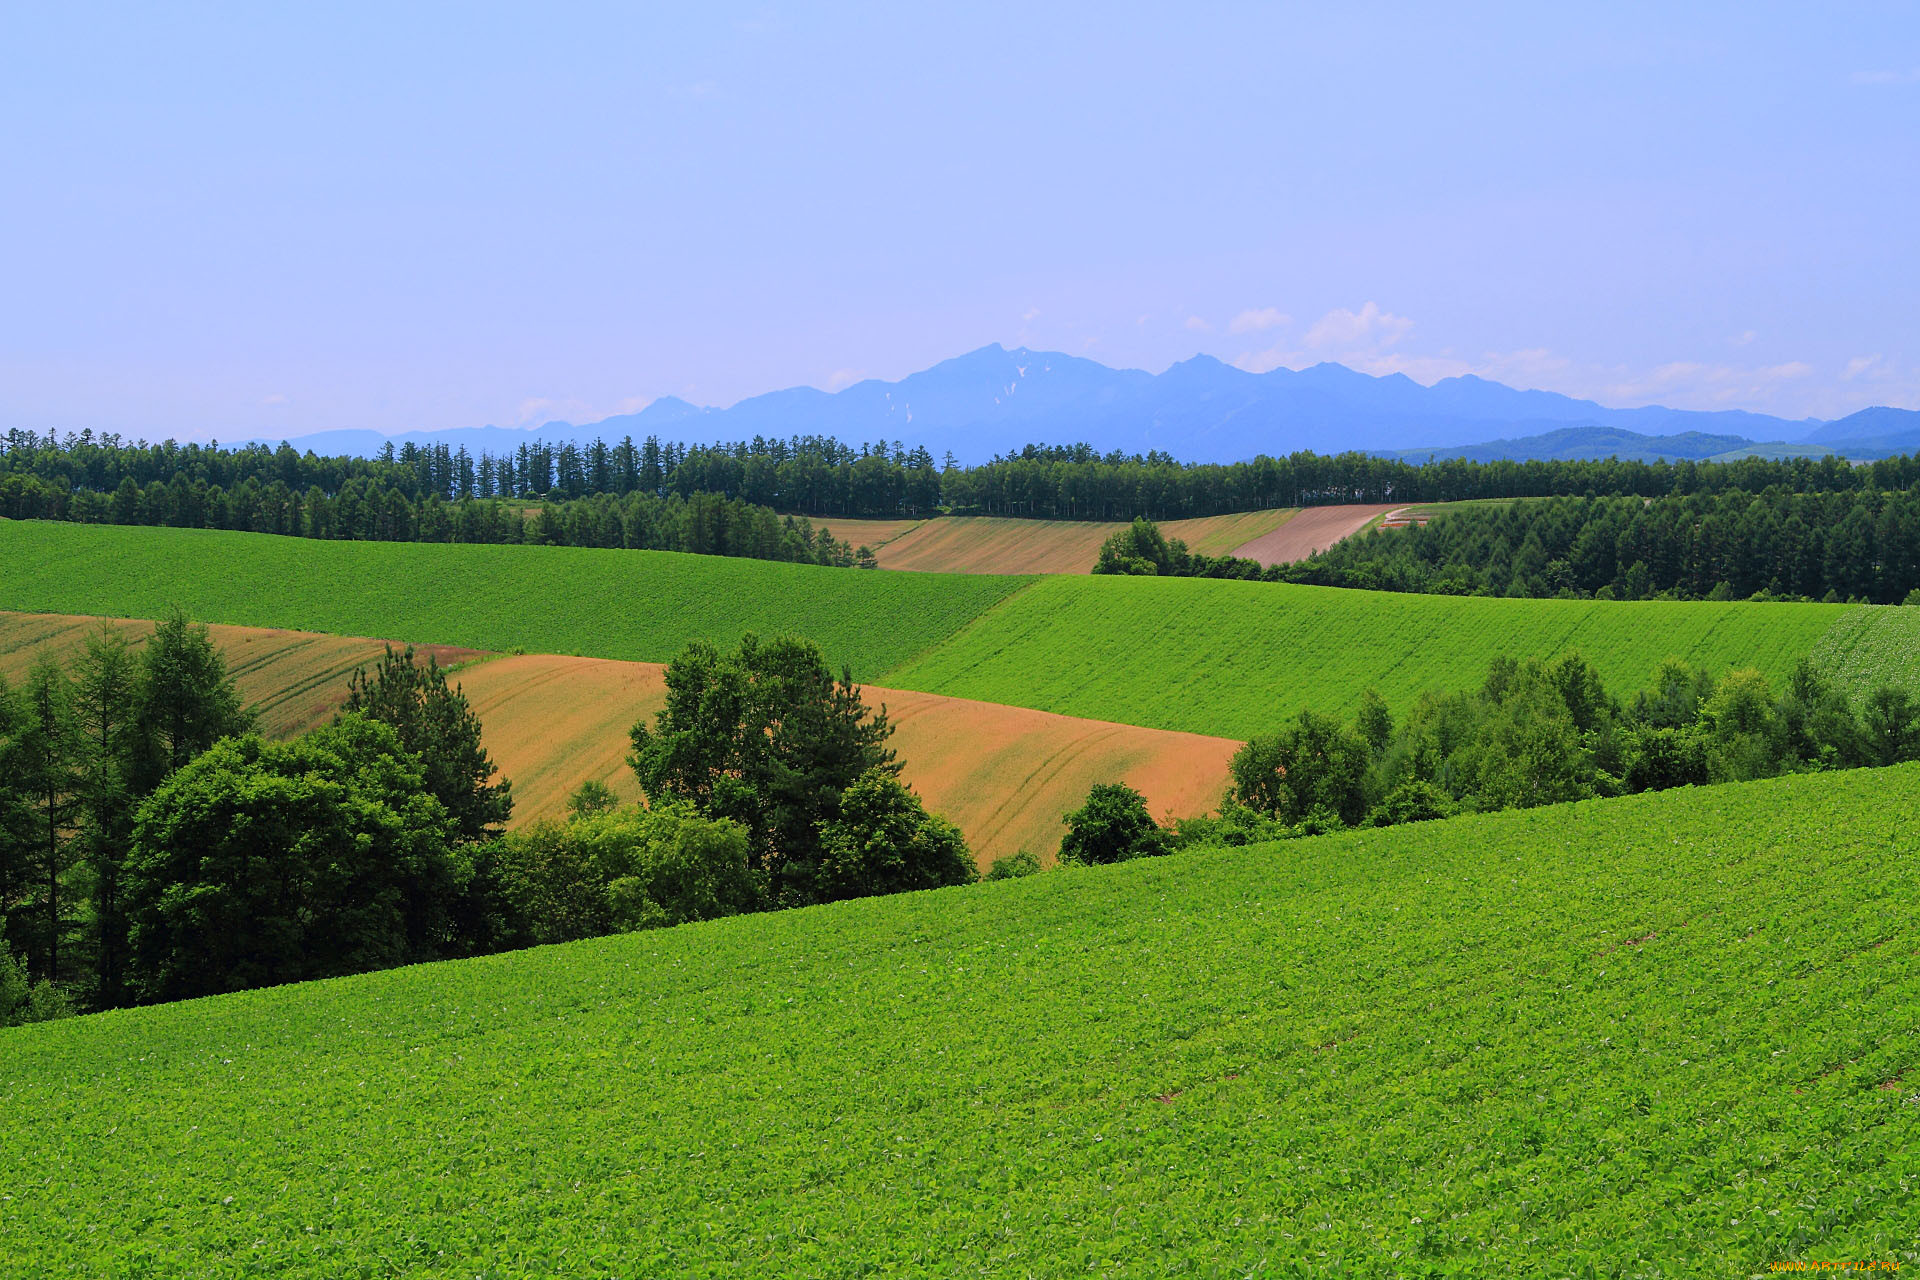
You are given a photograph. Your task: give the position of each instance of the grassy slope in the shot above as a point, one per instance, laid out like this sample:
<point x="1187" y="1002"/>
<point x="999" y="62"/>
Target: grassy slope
<point x="1674" y="1034"/>
<point x="1233" y="657"/>
<point x="1221" y="658"/>
<point x="643" y="605"/>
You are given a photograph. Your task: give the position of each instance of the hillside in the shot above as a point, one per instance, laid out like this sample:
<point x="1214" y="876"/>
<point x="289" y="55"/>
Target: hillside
<point x="1004" y="775"/>
<point x="1668" y="1034"/>
<point x="643" y="605"/>
<point x="1226" y="659"/>
<point x="992" y="544"/>
<point x="1236" y="657"/>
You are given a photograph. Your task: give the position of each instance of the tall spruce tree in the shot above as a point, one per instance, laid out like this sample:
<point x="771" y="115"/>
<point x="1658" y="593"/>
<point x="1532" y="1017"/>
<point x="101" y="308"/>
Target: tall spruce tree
<point x="47" y="757"/>
<point x="435" y="723"/>
<point x="186" y="703"/>
<point x="106" y="692"/>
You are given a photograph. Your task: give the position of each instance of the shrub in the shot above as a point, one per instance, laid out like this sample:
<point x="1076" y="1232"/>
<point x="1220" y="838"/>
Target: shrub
<point x="1112" y="826"/>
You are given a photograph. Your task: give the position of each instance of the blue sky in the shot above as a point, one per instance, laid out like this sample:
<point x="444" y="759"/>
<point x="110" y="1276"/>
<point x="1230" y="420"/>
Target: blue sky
<point x="221" y="220"/>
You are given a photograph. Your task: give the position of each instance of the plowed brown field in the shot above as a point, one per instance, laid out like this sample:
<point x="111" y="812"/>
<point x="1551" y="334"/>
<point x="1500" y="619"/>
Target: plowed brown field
<point x="1314" y="529"/>
<point x="992" y="544"/>
<point x="1005" y="775"/>
<point x="296" y="679"/>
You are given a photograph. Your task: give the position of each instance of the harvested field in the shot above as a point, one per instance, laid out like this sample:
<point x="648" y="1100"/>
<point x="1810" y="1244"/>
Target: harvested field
<point x="991" y="544"/>
<point x="295" y="679"/>
<point x="1004" y="775"/>
<point x="872" y="534"/>
<point x="1314" y="529"/>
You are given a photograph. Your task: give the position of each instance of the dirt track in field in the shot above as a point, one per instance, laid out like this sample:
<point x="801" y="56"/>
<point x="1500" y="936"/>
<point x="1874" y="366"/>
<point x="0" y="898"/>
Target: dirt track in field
<point x="1314" y="529"/>
<point x="1004" y="775"/>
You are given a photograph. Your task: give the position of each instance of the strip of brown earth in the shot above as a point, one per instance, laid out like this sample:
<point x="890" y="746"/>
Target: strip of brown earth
<point x="1314" y="529"/>
<point x="1004" y="775"/>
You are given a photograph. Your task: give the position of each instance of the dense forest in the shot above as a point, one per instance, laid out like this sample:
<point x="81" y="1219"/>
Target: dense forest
<point x="1858" y="544"/>
<point x="400" y="492"/>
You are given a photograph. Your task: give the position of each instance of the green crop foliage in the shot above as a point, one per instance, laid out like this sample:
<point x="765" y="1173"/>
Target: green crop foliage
<point x="1872" y="646"/>
<point x="1235" y="658"/>
<point x="1674" y="1034"/>
<point x="643" y="605"/>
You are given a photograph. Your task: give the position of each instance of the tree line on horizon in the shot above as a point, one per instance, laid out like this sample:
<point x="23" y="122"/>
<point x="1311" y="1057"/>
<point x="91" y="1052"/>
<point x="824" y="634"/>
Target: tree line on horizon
<point x="79" y="475"/>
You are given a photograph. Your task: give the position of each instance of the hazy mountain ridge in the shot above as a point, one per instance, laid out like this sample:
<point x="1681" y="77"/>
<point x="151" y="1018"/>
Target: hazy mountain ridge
<point x="994" y="401"/>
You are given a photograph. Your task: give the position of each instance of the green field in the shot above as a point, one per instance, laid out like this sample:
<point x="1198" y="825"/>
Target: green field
<point x="1222" y="658"/>
<point x="1233" y="658"/>
<point x="641" y="605"/>
<point x="1675" y="1034"/>
<point x="1872" y="646"/>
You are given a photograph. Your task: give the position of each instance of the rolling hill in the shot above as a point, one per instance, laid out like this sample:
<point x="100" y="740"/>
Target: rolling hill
<point x="1004" y="775"/>
<point x="1224" y="659"/>
<point x="1666" y="1034"/>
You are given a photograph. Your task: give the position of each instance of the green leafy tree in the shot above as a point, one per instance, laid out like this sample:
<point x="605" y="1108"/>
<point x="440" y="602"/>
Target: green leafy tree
<point x="1139" y="549"/>
<point x="16" y="821"/>
<point x="1113" y="826"/>
<point x="23" y="1000"/>
<point x="884" y="841"/>
<point x="436" y="724"/>
<point x="269" y="862"/>
<point x="1315" y="763"/>
<point x="1745" y="738"/>
<point x="590" y="798"/>
<point x="617" y="871"/>
<point x="1013" y="866"/>
<point x="767" y="737"/>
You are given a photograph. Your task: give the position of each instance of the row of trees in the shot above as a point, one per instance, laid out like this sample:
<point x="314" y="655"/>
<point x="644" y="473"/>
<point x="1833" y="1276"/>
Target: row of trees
<point x="365" y="510"/>
<point x="819" y="476"/>
<point x="1856" y="544"/>
<point x="1533" y="733"/>
<point x="153" y="847"/>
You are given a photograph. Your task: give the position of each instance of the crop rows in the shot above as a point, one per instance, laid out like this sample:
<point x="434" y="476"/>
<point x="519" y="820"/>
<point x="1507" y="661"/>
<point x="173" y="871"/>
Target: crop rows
<point x="1675" y="1034"/>
<point x="1227" y="659"/>
<point x="642" y="605"/>
<point x="1233" y="658"/>
<point x="1872" y="646"/>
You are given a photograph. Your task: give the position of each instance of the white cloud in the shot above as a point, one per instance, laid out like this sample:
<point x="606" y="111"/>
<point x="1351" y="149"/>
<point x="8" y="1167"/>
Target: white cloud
<point x="275" y="398"/>
<point x="1743" y="339"/>
<point x="1027" y="316"/>
<point x="1367" y="327"/>
<point x="844" y="378"/>
<point x="1857" y="366"/>
<point x="1259" y="321"/>
<point x="1197" y="325"/>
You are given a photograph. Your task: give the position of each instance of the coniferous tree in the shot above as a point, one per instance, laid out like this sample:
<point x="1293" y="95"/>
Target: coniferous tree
<point x="105" y="712"/>
<point x="186" y="703"/>
<point x="435" y="723"/>
<point x="47" y="758"/>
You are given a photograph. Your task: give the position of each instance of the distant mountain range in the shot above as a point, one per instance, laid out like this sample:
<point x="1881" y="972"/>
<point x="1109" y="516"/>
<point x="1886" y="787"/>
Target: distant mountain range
<point x="995" y="401"/>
